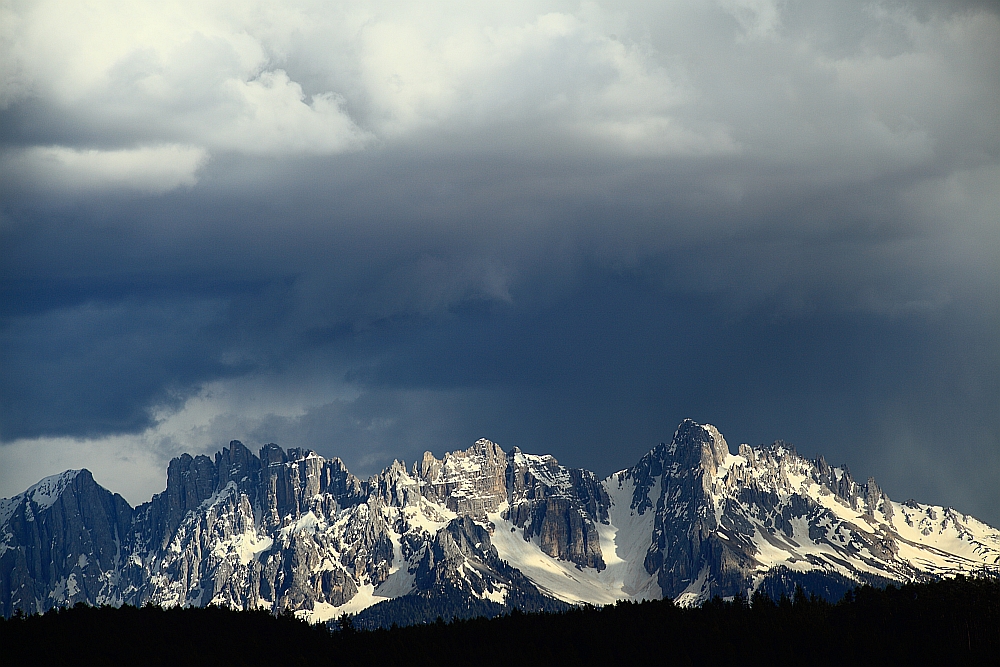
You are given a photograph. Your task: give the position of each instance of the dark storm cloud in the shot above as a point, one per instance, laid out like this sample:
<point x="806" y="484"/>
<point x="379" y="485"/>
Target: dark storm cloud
<point x="560" y="228"/>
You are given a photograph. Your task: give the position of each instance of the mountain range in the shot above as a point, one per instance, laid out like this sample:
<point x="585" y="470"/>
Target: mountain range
<point x="476" y="532"/>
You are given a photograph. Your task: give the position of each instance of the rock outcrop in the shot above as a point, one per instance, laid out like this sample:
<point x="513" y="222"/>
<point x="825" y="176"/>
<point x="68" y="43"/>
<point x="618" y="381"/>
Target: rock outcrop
<point x="470" y="482"/>
<point x="559" y="506"/>
<point x="61" y="543"/>
<point x="292" y="530"/>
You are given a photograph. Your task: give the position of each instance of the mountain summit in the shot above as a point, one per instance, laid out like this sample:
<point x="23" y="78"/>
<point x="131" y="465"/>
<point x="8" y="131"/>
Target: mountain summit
<point x="476" y="532"/>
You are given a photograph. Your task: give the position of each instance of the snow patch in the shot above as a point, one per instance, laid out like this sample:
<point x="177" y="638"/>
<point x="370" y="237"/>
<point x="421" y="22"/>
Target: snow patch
<point x="244" y="546"/>
<point x="44" y="494"/>
<point x="64" y="589"/>
<point x="498" y="595"/>
<point x="8" y="506"/>
<point x="696" y="593"/>
<point x="623" y="578"/>
<point x="307" y="523"/>
<point x="323" y="611"/>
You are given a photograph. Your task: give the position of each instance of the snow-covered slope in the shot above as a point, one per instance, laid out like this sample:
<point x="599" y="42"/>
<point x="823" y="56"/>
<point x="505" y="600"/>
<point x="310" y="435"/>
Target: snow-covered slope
<point x="293" y="530"/>
<point x="722" y="522"/>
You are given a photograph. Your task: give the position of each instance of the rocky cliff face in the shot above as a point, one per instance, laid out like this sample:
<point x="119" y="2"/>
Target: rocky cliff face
<point x="468" y="483"/>
<point x="258" y="531"/>
<point x="291" y="530"/>
<point x="558" y="506"/>
<point x="685" y="530"/>
<point x="723" y="521"/>
<point x="61" y="543"/>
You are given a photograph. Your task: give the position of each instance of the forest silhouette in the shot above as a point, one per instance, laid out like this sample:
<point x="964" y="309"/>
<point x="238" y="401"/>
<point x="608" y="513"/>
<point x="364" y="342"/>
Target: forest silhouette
<point x="952" y="621"/>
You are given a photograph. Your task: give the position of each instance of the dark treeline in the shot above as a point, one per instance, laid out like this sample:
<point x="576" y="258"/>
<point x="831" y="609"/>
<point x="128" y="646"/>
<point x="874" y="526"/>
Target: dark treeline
<point x="955" y="621"/>
<point x="447" y="602"/>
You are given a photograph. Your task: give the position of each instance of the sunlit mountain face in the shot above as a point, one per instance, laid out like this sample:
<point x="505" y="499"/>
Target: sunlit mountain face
<point x="477" y="533"/>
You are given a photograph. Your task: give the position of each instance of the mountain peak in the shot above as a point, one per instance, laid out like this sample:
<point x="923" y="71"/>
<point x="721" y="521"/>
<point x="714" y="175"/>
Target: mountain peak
<point x="43" y="494"/>
<point x="693" y="445"/>
<point x="292" y="530"/>
<point x="47" y="491"/>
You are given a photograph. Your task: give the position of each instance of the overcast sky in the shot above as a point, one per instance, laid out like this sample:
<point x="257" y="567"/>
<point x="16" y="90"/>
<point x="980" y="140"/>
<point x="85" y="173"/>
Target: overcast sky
<point x="379" y="228"/>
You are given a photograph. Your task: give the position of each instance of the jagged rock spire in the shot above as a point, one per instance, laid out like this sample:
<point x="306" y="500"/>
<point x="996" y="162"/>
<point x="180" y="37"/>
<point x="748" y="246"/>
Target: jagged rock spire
<point x="293" y="530"/>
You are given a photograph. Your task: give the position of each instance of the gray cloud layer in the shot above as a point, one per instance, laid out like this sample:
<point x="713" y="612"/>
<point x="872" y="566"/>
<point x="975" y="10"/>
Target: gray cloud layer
<point x="374" y="230"/>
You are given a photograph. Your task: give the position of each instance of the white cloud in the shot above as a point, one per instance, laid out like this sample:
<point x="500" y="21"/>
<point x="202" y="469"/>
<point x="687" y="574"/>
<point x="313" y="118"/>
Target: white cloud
<point x="275" y="119"/>
<point x="759" y="19"/>
<point x="734" y="77"/>
<point x="190" y="74"/>
<point x="152" y="169"/>
<point x="134" y="465"/>
<point x="219" y="77"/>
<point x="562" y="74"/>
<point x="123" y="464"/>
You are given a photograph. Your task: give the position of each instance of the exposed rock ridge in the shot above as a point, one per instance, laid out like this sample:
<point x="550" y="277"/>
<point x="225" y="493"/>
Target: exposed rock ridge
<point x="722" y="521"/>
<point x="467" y="482"/>
<point x="61" y="544"/>
<point x="684" y="535"/>
<point x="559" y="506"/>
<point x="291" y="530"/>
<point x="462" y="556"/>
